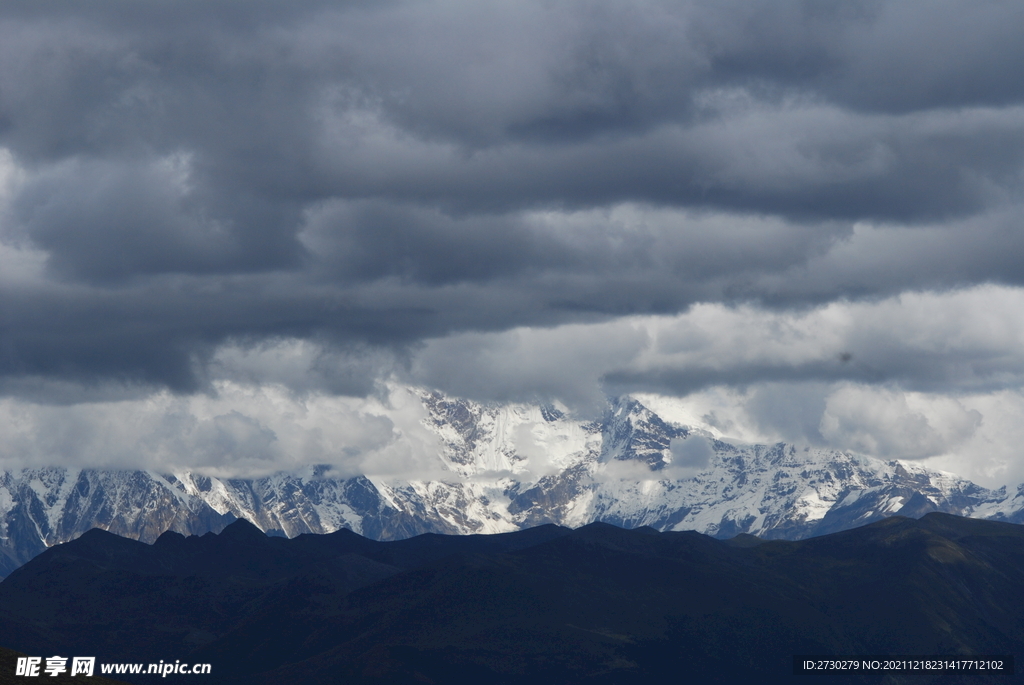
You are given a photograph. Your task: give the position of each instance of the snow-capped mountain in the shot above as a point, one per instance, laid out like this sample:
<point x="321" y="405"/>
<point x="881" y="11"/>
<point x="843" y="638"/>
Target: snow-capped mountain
<point x="511" y="466"/>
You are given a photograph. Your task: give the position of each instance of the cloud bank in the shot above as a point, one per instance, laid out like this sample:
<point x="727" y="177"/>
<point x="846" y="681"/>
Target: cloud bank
<point x="811" y="208"/>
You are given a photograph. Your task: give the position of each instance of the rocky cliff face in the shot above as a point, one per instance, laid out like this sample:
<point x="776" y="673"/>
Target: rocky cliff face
<point x="43" y="507"/>
<point x="512" y="466"/>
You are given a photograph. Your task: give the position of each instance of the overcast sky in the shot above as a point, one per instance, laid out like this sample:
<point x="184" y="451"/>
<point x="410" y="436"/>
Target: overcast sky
<point x="228" y="228"/>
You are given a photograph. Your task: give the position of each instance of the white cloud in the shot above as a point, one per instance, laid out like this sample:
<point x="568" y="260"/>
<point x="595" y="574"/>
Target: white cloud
<point x="953" y="342"/>
<point x="933" y="376"/>
<point x="994" y="454"/>
<point x="690" y="456"/>
<point x="243" y="430"/>
<point x="529" y="364"/>
<point x="889" y="423"/>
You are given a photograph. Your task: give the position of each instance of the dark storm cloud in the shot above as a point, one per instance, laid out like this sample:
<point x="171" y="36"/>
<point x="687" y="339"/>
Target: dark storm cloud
<point x="369" y="240"/>
<point x="106" y="221"/>
<point x="630" y="97"/>
<point x="375" y="174"/>
<point x="871" y="56"/>
<point x="165" y="332"/>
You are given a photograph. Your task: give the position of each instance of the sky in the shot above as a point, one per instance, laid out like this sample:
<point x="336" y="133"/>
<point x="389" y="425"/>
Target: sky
<point x="232" y="232"/>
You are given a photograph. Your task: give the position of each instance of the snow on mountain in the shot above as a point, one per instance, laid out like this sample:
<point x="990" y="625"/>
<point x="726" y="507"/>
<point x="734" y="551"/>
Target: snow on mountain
<point x="43" y="507"/>
<point x="512" y="466"/>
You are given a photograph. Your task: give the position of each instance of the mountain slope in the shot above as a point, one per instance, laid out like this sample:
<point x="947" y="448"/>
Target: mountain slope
<point x="598" y="604"/>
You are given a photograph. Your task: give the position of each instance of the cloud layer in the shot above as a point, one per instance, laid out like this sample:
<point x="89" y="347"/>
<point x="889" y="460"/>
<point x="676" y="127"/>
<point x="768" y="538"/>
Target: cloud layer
<point x="806" y="203"/>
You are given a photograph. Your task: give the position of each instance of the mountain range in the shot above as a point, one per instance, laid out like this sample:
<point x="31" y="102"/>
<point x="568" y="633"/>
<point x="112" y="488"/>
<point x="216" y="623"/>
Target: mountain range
<point x="507" y="467"/>
<point x="598" y="604"/>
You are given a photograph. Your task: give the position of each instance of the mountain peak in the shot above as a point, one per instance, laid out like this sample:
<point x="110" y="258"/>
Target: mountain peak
<point x="242" y="530"/>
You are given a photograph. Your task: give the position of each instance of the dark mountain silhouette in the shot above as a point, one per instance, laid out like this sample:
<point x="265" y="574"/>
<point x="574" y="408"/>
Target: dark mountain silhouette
<point x="598" y="604"/>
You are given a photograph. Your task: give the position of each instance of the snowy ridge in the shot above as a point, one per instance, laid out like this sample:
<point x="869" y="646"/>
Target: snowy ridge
<point x="512" y="466"/>
<point x="43" y="507"/>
